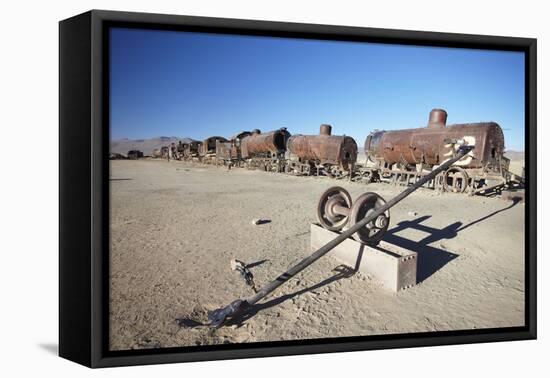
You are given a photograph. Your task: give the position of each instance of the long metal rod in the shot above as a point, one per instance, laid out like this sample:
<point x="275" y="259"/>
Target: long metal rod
<point x="268" y="288"/>
<point x="219" y="317"/>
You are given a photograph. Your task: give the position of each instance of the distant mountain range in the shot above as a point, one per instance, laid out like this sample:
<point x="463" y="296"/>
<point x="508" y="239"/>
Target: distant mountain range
<point x="122" y="146"/>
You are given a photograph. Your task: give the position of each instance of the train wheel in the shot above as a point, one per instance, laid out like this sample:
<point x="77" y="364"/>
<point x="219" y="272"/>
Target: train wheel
<point x="455" y="180"/>
<point x="330" y="199"/>
<point x="374" y="231"/>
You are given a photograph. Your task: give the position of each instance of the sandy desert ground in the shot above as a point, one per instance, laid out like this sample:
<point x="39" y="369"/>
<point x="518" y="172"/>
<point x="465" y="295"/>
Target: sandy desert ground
<point x="176" y="226"/>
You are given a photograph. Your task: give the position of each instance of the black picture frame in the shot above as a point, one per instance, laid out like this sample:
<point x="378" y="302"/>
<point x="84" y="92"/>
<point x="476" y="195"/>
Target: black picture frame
<point x="84" y="187"/>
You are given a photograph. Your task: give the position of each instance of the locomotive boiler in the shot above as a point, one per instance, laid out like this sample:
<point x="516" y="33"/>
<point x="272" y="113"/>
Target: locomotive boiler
<point x="406" y="154"/>
<point x="265" y="150"/>
<point x="332" y="155"/>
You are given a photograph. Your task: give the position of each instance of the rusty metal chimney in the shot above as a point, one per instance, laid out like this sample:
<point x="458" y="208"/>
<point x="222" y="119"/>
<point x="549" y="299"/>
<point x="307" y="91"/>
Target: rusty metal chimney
<point x="255" y="131"/>
<point x="325" y="129"/>
<point x="438" y="118"/>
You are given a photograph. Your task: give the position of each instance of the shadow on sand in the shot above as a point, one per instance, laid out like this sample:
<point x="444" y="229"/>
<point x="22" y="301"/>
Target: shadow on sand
<point x="430" y="259"/>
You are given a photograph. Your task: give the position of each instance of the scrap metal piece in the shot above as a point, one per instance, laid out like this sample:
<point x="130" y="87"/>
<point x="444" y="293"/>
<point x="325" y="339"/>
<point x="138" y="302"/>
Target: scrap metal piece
<point x="221" y="316"/>
<point x="246" y="274"/>
<point x="208" y="145"/>
<point x="191" y="149"/>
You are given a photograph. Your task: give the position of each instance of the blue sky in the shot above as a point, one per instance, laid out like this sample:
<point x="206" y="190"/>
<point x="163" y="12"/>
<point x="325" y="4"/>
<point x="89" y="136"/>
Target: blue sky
<point x="198" y="85"/>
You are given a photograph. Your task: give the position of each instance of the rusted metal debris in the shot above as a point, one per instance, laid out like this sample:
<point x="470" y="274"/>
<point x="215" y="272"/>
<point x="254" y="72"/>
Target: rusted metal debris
<point x="241" y="268"/>
<point x="191" y="150"/>
<point x="207" y="149"/>
<point x="208" y="146"/>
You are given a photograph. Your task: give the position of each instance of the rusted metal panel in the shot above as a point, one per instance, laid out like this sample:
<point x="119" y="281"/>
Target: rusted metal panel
<point x="231" y="150"/>
<point x="208" y="146"/>
<point x="271" y="143"/>
<point x="430" y="145"/>
<point x="236" y="141"/>
<point x="181" y="148"/>
<point x="324" y="148"/>
<point x="223" y="150"/>
<point x="191" y="149"/>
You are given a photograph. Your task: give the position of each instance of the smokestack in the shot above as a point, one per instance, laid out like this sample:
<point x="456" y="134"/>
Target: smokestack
<point x="325" y="129"/>
<point x="438" y="118"/>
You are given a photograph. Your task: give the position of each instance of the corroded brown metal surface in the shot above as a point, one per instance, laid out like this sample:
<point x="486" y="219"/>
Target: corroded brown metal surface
<point x="430" y="145"/>
<point x="208" y="146"/>
<point x="224" y="150"/>
<point x="437" y="118"/>
<point x="240" y="136"/>
<point x="191" y="149"/>
<point x="273" y="142"/>
<point x="324" y="148"/>
<point x="231" y="150"/>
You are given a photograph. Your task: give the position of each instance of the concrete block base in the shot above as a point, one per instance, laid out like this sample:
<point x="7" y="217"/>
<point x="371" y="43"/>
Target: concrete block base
<point x="393" y="266"/>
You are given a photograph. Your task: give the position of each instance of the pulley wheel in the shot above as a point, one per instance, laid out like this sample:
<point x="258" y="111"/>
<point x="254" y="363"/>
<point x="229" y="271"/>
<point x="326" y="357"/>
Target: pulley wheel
<point x="374" y="231"/>
<point x="326" y="209"/>
<point x="455" y="179"/>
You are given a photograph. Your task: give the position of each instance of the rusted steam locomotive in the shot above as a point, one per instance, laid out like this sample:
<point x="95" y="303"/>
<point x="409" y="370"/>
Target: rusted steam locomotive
<point x="265" y="151"/>
<point x="134" y="154"/>
<point x="229" y="153"/>
<point x="191" y="150"/>
<point x="397" y="156"/>
<point x="403" y="156"/>
<point x="327" y="154"/>
<point x="207" y="149"/>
